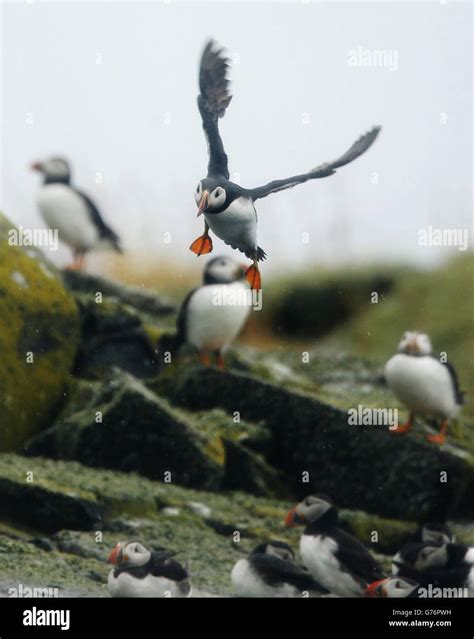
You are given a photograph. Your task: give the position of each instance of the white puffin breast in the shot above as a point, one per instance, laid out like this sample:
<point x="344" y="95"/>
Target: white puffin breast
<point x="63" y="209"/>
<point x="210" y="325"/>
<point x="317" y="553"/>
<point x="247" y="583"/>
<point x="236" y="225"/>
<point x="423" y="384"/>
<point x="126" y="585"/>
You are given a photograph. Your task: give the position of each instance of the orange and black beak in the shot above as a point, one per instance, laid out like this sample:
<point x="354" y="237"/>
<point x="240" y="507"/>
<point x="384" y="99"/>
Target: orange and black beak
<point x="115" y="556"/>
<point x="293" y="519"/>
<point x="36" y="166"/>
<point x="203" y="202"/>
<point x="375" y="589"/>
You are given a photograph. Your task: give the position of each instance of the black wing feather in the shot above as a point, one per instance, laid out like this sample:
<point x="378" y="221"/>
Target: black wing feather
<point x="355" y="558"/>
<point x="181" y="333"/>
<point x="104" y="230"/>
<point x="274" y="571"/>
<point x="324" y="170"/>
<point x="455" y="382"/>
<point x="213" y="101"/>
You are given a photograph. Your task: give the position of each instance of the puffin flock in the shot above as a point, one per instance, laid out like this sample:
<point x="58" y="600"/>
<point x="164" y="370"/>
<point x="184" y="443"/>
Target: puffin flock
<point x="335" y="564"/>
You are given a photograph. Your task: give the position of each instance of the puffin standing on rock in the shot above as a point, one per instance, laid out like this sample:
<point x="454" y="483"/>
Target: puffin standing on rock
<point x="423" y="383"/>
<point x="140" y="572"/>
<point x="71" y="212"/>
<point x="270" y="571"/>
<point x="338" y="561"/>
<point x="229" y="210"/>
<point x="213" y="315"/>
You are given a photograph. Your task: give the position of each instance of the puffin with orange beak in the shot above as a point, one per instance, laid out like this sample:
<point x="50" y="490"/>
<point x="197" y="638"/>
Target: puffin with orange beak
<point x="229" y="209"/>
<point x="212" y="315"/>
<point x="424" y="383"/>
<point x="139" y="572"/>
<point x="71" y="212"/>
<point x="338" y="561"/>
<point x="393" y="588"/>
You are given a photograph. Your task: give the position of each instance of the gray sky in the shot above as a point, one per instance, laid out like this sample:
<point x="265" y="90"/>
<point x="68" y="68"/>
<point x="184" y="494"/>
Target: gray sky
<point x="113" y="87"/>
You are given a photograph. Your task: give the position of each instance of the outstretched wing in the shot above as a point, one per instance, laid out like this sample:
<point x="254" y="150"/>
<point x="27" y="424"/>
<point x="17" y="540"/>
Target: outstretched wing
<point x="213" y="101"/>
<point x="324" y="170"/>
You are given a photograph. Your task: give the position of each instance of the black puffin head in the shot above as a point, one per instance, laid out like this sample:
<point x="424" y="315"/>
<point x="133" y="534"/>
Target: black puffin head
<point x="215" y="194"/>
<point x="275" y="548"/>
<point x="435" y="533"/>
<point x="129" y="554"/>
<point x="414" y="343"/>
<point x="54" y="169"/>
<point x="392" y="587"/>
<point x="223" y="270"/>
<point x="314" y="508"/>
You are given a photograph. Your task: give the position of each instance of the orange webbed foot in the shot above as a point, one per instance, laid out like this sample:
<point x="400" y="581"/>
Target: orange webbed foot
<point x="252" y="275"/>
<point x="204" y="358"/>
<point x="402" y="429"/>
<point x="220" y="361"/>
<point x="439" y="438"/>
<point x="202" y="245"/>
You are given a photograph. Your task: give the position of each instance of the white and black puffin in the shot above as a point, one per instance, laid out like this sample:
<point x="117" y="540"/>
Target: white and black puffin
<point x="433" y="533"/>
<point x="139" y="572"/>
<point x="270" y="571"/>
<point x="71" y="212"/>
<point x="205" y="323"/>
<point x="423" y="383"/>
<point x="393" y="588"/>
<point x="338" y="561"/>
<point x="441" y="565"/>
<point x="229" y="209"/>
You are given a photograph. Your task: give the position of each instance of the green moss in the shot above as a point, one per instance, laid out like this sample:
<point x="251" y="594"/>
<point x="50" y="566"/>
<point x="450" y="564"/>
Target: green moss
<point x="37" y="315"/>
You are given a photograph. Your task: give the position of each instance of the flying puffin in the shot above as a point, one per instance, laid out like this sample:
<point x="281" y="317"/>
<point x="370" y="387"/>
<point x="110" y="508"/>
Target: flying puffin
<point x="229" y="210"/>
<point x="393" y="587"/>
<point x="140" y="572"/>
<point x="423" y="383"/>
<point x="442" y="565"/>
<point x="338" y="561"/>
<point x="205" y="323"/>
<point x="71" y="212"/>
<point x="270" y="571"/>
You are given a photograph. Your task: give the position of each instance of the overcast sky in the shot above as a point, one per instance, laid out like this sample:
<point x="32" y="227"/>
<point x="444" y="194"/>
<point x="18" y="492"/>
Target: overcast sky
<point x="113" y="87"/>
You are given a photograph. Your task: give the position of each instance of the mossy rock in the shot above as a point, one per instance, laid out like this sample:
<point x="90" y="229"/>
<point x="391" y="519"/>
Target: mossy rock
<point x="119" y="423"/>
<point x="39" y="336"/>
<point x="361" y="467"/>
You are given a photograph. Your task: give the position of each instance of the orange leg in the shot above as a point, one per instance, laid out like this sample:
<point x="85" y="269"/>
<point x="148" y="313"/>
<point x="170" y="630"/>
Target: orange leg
<point x="252" y="275"/>
<point x="203" y="244"/>
<point x="204" y="358"/>
<point x="440" y="438"/>
<point x="404" y="428"/>
<point x="78" y="263"/>
<point x="220" y="360"/>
